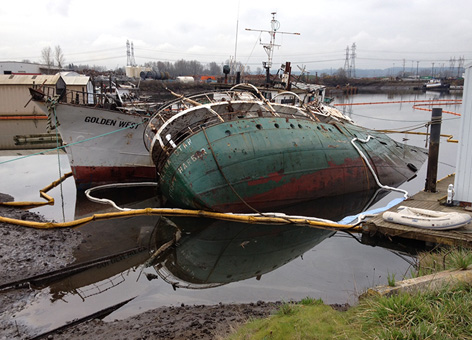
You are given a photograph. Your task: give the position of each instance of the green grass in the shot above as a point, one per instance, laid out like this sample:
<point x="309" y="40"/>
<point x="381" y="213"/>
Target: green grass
<point x="391" y="280"/>
<point x="444" y="314"/>
<point x="313" y="321"/>
<point x="436" y="315"/>
<point x="444" y="259"/>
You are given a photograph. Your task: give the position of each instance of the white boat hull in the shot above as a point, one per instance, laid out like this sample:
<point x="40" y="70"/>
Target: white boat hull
<point x="427" y="219"/>
<point x="104" y="146"/>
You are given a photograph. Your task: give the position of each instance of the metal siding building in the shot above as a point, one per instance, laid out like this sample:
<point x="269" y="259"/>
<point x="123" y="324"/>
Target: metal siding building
<point x="15" y="67"/>
<point x="14" y="93"/>
<point x="463" y="179"/>
<point x="19" y="121"/>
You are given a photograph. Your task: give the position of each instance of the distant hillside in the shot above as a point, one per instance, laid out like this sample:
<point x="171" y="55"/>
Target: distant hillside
<point x="391" y="72"/>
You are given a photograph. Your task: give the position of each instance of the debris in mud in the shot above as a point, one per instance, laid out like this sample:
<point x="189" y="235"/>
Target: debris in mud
<point x="26" y="252"/>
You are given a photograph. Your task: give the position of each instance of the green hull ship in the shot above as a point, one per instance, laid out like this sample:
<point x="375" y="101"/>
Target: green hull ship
<point x="231" y="151"/>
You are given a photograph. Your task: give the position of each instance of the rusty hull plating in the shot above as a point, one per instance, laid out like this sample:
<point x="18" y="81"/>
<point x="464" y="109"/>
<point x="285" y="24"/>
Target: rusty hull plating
<point x="233" y="152"/>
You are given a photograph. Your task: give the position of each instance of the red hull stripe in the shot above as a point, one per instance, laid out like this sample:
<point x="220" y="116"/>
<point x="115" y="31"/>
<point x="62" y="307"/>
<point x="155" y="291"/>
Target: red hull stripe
<point x="89" y="176"/>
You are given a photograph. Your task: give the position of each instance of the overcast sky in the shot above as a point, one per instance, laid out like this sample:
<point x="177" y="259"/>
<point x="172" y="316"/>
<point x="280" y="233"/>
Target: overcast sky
<point x="386" y="32"/>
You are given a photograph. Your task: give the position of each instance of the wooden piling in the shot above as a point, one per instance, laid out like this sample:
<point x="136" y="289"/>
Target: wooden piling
<point x="434" y="139"/>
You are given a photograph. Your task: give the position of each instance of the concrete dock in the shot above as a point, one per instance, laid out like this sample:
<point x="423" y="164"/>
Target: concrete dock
<point x="424" y="200"/>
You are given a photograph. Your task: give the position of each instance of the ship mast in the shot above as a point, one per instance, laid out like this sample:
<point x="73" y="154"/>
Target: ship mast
<point x="269" y="47"/>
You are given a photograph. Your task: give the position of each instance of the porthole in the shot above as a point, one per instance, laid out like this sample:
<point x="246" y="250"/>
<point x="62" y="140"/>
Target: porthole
<point x="292" y="126"/>
<point x="276" y="125"/>
<point x="259" y="126"/>
<point x="228" y="133"/>
<point x="300" y="126"/>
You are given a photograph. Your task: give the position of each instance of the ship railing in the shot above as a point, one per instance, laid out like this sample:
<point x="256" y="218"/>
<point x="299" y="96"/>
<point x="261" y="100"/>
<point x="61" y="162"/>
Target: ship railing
<point x="167" y="136"/>
<point x="104" y="99"/>
<point x="182" y="103"/>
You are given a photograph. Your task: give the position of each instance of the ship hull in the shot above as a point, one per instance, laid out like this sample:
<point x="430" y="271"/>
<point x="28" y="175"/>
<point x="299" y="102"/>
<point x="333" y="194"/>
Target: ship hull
<point x="268" y="162"/>
<point x="104" y="146"/>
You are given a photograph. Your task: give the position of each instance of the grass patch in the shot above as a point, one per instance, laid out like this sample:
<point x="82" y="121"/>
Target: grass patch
<point x="306" y="321"/>
<point x="444" y="314"/>
<point x="311" y="301"/>
<point x="287" y="308"/>
<point x="436" y="315"/>
<point x="444" y="259"/>
<point x="391" y="280"/>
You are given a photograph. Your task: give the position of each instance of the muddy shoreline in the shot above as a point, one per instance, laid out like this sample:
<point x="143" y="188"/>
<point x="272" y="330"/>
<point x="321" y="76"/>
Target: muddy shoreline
<point x="27" y="252"/>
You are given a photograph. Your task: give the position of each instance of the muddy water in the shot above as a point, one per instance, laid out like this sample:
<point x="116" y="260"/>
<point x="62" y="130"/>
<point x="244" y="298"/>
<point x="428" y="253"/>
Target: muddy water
<point x="215" y="261"/>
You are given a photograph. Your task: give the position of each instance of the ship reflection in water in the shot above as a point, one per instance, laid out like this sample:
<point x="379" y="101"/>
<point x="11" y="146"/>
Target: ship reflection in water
<point x="198" y="252"/>
<point x="221" y="252"/>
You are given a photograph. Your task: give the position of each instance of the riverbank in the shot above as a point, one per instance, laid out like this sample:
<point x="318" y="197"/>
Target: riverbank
<point x="27" y="252"/>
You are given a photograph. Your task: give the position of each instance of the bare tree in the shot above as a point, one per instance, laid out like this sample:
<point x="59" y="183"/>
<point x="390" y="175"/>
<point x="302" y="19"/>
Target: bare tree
<point x="46" y="57"/>
<point x="59" y="56"/>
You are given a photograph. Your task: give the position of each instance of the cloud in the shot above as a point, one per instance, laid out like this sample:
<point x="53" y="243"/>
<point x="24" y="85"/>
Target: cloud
<point x="61" y="7"/>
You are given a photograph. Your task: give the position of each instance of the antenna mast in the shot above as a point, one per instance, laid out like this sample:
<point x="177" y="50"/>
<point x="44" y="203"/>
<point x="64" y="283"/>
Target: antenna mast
<point x="269" y="47"/>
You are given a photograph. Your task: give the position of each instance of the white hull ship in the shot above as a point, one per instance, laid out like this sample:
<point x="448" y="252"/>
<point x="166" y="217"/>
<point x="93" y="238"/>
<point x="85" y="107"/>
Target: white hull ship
<point x="103" y="145"/>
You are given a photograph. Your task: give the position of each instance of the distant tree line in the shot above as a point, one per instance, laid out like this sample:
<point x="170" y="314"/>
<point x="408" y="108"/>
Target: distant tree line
<point x="191" y="67"/>
<point x="55" y="59"/>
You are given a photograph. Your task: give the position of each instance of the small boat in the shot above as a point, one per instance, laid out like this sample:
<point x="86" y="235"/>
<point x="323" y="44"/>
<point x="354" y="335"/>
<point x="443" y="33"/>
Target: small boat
<point x="427" y="219"/>
<point x="436" y="84"/>
<point x="234" y="151"/>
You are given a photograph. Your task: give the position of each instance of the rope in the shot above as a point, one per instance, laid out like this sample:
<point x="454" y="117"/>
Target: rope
<point x="114" y="185"/>
<point x="449" y="137"/>
<point x="224" y="176"/>
<point x="74" y="143"/>
<point x="52" y="106"/>
<point x="455" y="101"/>
<point x="405" y="193"/>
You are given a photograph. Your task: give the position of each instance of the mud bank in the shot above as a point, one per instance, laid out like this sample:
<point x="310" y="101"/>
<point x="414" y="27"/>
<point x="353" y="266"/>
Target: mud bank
<point x="25" y="252"/>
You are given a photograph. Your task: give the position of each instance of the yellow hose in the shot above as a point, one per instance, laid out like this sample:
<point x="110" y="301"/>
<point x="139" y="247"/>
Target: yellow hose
<point x="162" y="212"/>
<point x="449" y="137"/>
<point x="180" y="212"/>
<point x="42" y="193"/>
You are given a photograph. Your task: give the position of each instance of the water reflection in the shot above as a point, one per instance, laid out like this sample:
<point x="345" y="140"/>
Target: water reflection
<point x="199" y="253"/>
<point x="219" y="252"/>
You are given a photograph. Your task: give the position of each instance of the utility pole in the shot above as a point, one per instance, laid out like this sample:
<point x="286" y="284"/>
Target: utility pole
<point x="353" y="60"/>
<point x="133" y="62"/>
<point x="269" y="47"/>
<point x="346" y="63"/>
<point x="128" y="54"/>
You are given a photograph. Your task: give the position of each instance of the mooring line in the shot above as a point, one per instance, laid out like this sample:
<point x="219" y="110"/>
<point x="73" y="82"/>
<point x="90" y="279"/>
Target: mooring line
<point x="74" y="143"/>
